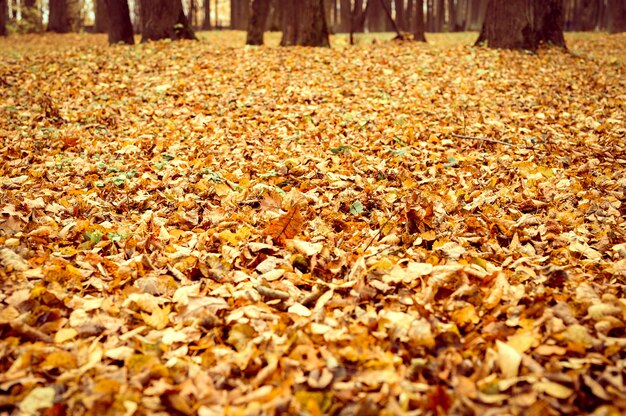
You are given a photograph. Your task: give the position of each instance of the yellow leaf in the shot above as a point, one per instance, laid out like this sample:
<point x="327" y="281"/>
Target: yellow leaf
<point x="553" y="389"/>
<point x="159" y="318"/>
<point x="509" y="359"/>
<point x="465" y="315"/>
<point x="61" y="360"/>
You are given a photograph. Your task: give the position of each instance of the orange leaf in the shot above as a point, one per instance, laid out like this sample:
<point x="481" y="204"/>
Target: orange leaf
<point x="285" y="227"/>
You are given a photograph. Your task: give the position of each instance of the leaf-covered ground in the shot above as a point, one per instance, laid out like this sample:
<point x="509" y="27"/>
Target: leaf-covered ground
<point x="203" y="228"/>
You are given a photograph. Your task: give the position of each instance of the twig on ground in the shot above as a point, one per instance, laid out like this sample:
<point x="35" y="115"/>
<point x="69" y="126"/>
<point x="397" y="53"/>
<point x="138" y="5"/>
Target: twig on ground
<point x="380" y="230"/>
<point x="482" y="139"/>
<point x="270" y="293"/>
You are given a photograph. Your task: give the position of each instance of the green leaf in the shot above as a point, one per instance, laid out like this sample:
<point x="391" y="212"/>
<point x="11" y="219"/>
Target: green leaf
<point x="212" y="176"/>
<point x="356" y="208"/>
<point x="340" y="149"/>
<point x="116" y="236"/>
<point x="119" y="180"/>
<point x="451" y="162"/>
<point x="94" y="236"/>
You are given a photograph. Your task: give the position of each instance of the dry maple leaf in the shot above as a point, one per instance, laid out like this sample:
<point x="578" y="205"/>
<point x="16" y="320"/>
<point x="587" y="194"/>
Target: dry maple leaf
<point x="285" y="227"/>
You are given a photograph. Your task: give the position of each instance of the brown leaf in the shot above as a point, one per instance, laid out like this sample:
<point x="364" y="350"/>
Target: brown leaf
<point x="285" y="227"/>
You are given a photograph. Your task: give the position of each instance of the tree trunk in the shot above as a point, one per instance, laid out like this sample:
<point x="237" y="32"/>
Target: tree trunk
<point x="239" y="14"/>
<point x="418" y="23"/>
<point x="328" y="8"/>
<point x="357" y="20"/>
<point x="474" y="14"/>
<point x="206" y="23"/>
<point x="274" y="20"/>
<point x="164" y="19"/>
<point x="56" y="16"/>
<point x="4" y="17"/>
<point x="120" y="28"/>
<point x="304" y="23"/>
<point x="400" y="21"/>
<point x="191" y="14"/>
<point x="440" y="15"/>
<point x="408" y="16"/>
<point x="256" y="24"/>
<point x="344" y="16"/>
<point x="616" y="16"/>
<point x="376" y="19"/>
<point x="586" y="14"/>
<point x="523" y="24"/>
<point x="101" y="23"/>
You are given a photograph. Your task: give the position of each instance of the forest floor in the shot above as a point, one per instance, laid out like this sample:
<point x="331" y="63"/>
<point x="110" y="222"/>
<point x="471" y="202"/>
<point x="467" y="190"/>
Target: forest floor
<point x="207" y="228"/>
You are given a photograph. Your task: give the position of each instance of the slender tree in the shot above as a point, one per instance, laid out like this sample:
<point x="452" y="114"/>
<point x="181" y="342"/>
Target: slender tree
<point x="400" y="21"/>
<point x="523" y="24"/>
<point x="64" y="16"/>
<point x="4" y="17"/>
<point x="344" y="16"/>
<point x="376" y="18"/>
<point x="274" y="20"/>
<point x="120" y="27"/>
<point x="357" y="20"/>
<point x="239" y="14"/>
<point x="101" y="22"/>
<point x="304" y="23"/>
<point x="191" y="14"/>
<point x="418" y="22"/>
<point x="617" y="16"/>
<point x="164" y="19"/>
<point x="259" y="10"/>
<point x="206" y="23"/>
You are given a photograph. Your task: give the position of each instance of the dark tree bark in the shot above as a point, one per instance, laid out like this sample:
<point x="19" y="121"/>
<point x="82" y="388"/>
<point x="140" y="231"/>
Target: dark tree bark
<point x="418" y="23"/>
<point x="440" y="15"/>
<point x="274" y="20"/>
<point x="344" y="16"/>
<point x="474" y="14"/>
<point x="4" y="17"/>
<point x="206" y="23"/>
<point x="120" y="28"/>
<point x="376" y="18"/>
<point x="400" y="21"/>
<point x="430" y="21"/>
<point x="357" y="20"/>
<point x="239" y="14"/>
<point x="328" y="8"/>
<point x="256" y="24"/>
<point x="164" y="19"/>
<point x="408" y="16"/>
<point x="56" y="17"/>
<point x="390" y="20"/>
<point x="64" y="16"/>
<point x="585" y="14"/>
<point x="304" y="23"/>
<point x="616" y="16"/>
<point x="523" y="24"/>
<point x="191" y="14"/>
<point x="101" y="23"/>
<point x="217" y="17"/>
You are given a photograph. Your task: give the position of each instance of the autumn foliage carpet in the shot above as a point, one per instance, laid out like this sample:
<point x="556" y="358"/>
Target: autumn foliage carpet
<point x="203" y="228"/>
